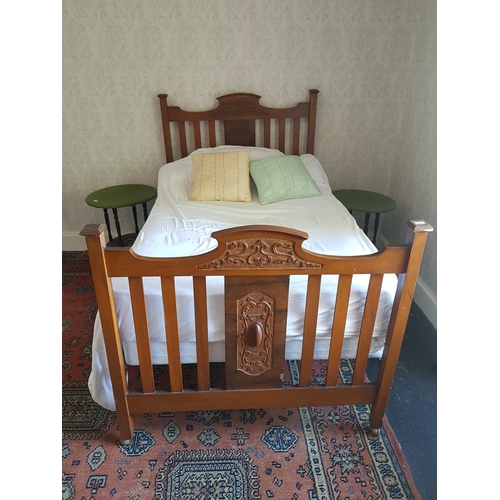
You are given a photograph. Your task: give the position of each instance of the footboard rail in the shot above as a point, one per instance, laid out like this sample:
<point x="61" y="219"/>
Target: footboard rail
<point x="256" y="263"/>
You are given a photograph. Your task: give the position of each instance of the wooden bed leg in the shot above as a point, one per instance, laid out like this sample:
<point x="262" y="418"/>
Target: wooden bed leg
<point x="94" y="236"/>
<point x="373" y="433"/>
<point x="416" y="239"/>
<point x="126" y="427"/>
<point x="124" y="442"/>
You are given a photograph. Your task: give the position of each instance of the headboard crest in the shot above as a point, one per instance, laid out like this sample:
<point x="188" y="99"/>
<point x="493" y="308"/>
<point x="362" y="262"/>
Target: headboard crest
<point x="244" y="121"/>
<point x="247" y="104"/>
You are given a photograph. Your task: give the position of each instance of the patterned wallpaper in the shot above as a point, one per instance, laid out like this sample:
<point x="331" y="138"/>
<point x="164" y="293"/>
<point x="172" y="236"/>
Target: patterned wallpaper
<point x="373" y="62"/>
<point x="413" y="176"/>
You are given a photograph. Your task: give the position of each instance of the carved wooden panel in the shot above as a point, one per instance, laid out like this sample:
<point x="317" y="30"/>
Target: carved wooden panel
<point x="255" y="330"/>
<point x="238" y="107"/>
<point x="255" y="333"/>
<point x="239" y="132"/>
<point x="259" y="252"/>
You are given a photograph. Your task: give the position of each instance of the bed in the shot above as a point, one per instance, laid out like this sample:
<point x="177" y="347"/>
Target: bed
<point x="246" y="259"/>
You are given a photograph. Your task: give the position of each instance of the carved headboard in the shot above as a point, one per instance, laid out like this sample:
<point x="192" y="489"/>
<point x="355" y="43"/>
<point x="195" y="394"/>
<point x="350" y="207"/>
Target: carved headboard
<point x="239" y="120"/>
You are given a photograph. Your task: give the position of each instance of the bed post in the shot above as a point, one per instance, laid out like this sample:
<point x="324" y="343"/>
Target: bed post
<point x="94" y="237"/>
<point x="311" y="126"/>
<point x="166" y="127"/>
<point x="416" y="239"/>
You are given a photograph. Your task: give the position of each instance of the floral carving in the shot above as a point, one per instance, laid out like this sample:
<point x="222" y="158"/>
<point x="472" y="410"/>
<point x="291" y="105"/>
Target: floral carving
<point x="237" y="107"/>
<point x="260" y="252"/>
<point x="255" y="312"/>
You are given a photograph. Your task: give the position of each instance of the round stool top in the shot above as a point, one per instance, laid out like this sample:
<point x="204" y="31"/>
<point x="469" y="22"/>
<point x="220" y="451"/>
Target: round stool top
<point x="123" y="195"/>
<point x="359" y="200"/>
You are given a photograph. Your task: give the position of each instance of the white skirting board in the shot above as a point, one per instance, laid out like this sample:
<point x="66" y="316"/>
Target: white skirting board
<point x="427" y="301"/>
<point x="72" y="242"/>
<point x="424" y="298"/>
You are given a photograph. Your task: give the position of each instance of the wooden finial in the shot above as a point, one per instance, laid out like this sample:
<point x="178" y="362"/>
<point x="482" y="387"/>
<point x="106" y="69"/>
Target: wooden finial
<point x="419" y="225"/>
<point x="92" y="229"/>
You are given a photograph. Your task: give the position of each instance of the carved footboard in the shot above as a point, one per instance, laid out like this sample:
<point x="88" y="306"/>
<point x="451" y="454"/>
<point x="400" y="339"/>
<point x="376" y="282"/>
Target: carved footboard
<point x="257" y="262"/>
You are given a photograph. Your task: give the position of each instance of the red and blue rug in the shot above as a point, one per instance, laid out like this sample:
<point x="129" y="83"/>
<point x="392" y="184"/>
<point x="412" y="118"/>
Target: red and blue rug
<point x="282" y="453"/>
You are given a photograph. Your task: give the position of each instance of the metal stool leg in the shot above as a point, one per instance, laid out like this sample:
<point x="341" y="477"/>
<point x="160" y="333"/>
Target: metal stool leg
<point x="134" y="211"/>
<point x="108" y="225"/>
<point x="377" y="220"/>
<point x="367" y="223"/>
<point x="117" y="224"/>
<point x="145" y="210"/>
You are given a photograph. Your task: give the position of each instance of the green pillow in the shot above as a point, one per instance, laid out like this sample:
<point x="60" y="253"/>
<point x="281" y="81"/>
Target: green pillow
<point x="283" y="177"/>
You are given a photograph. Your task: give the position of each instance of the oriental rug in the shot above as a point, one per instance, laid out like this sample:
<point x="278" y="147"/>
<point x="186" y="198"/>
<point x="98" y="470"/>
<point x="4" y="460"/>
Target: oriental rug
<point x="281" y="453"/>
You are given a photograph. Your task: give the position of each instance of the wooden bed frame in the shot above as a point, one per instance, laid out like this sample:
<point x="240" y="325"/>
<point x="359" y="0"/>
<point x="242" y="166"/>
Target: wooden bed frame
<point x="244" y="122"/>
<point x="256" y="262"/>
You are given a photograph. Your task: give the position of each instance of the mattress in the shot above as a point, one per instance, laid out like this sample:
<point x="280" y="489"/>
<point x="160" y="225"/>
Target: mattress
<point x="178" y="227"/>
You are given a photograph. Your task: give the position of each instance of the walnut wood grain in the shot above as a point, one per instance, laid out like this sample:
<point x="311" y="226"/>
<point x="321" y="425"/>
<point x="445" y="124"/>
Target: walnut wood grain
<point x="95" y="241"/>
<point x="338" y="328"/>
<point x="290" y="258"/>
<point x="201" y="321"/>
<point x="172" y="332"/>
<point x="254" y="333"/>
<point x="259" y="300"/>
<point x="269" y="282"/>
<point x="310" y="322"/>
<point x="141" y="329"/>
<point x="416" y="239"/>
<point x="240" y="115"/>
<point x="367" y="325"/>
<point x="252" y="398"/>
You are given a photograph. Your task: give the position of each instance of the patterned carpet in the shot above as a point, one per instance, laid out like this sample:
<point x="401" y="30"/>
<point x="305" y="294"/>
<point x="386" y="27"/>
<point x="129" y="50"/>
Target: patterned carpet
<point x="283" y="453"/>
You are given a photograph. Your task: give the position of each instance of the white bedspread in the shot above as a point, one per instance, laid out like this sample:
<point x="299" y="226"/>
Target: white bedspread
<point x="177" y="226"/>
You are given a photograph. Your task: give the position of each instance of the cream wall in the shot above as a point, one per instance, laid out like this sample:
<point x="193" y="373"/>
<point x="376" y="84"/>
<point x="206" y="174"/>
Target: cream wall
<point x="413" y="177"/>
<point x="373" y="62"/>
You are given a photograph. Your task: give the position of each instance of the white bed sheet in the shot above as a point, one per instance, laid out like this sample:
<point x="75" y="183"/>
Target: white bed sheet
<point x="177" y="226"/>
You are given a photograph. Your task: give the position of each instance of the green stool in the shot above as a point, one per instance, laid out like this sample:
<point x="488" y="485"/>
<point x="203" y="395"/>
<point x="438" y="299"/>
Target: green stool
<point x="124" y="195"/>
<point x="368" y="202"/>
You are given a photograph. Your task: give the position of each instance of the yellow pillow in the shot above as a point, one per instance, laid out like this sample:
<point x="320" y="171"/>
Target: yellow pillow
<point x="221" y="177"/>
